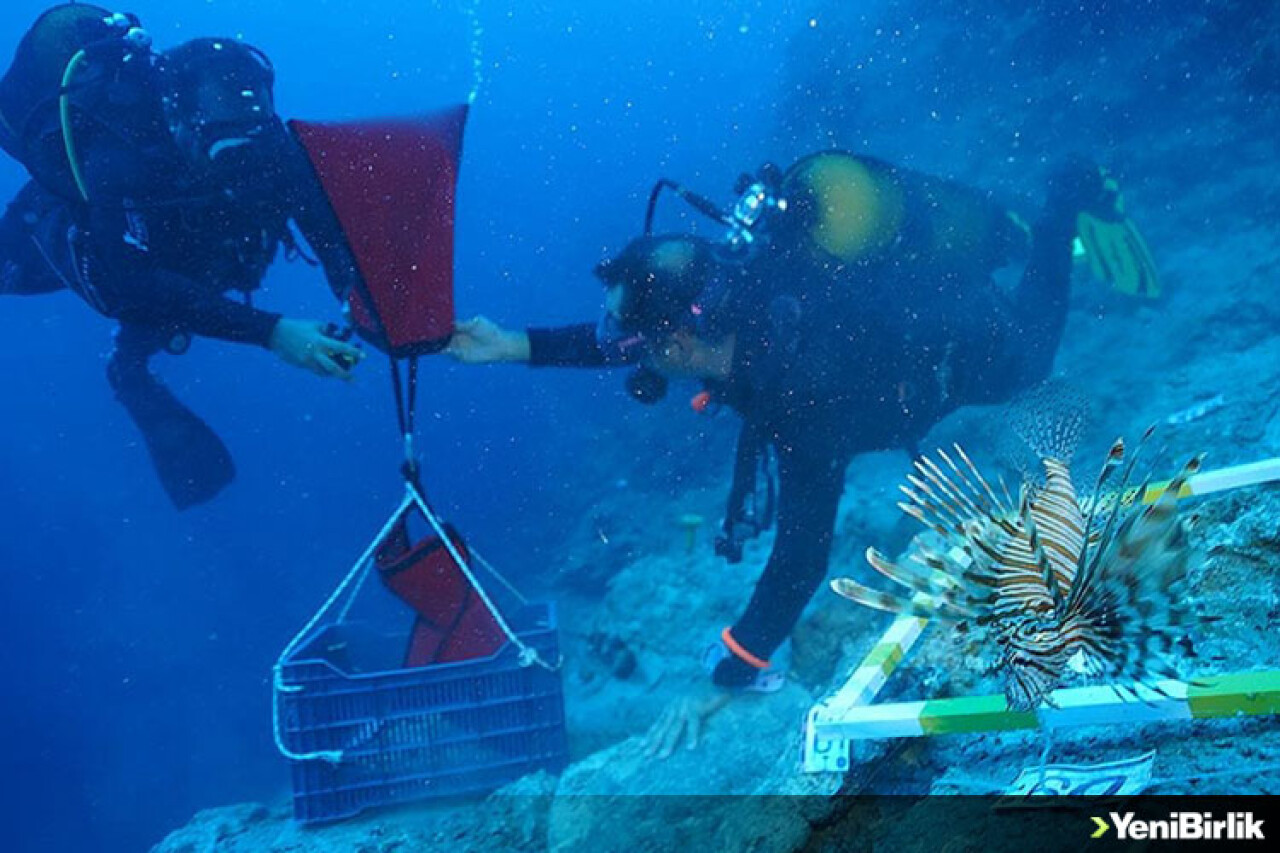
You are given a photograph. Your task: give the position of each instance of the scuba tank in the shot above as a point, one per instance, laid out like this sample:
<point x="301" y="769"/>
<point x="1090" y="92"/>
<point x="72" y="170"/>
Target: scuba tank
<point x="840" y="216"/>
<point x="835" y="206"/>
<point x="82" y="79"/>
<point x="851" y="209"/>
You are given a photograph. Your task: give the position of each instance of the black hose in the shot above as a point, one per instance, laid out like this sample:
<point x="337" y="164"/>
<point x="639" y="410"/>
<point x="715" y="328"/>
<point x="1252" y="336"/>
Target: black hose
<point x="700" y="203"/>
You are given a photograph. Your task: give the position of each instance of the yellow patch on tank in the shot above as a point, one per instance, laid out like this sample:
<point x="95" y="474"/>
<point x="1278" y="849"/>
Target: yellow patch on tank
<point x="857" y="211"/>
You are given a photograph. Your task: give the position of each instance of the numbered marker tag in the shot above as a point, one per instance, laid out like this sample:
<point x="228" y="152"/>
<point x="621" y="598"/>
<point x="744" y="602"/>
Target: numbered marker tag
<point x="1114" y="779"/>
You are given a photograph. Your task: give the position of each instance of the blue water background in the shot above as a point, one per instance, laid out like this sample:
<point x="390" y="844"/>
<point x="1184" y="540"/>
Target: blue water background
<point x="138" y="640"/>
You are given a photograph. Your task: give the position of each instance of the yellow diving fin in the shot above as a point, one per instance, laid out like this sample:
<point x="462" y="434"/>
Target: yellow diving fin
<point x="1115" y="250"/>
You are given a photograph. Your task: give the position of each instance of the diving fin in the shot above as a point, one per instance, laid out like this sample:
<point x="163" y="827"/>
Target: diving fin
<point x="190" y="459"/>
<point x="1115" y="249"/>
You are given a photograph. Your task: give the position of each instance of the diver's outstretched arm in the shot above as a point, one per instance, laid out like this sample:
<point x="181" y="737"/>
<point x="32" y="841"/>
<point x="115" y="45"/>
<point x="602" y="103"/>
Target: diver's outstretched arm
<point x="163" y="300"/>
<point x="810" y="483"/>
<point x="482" y="341"/>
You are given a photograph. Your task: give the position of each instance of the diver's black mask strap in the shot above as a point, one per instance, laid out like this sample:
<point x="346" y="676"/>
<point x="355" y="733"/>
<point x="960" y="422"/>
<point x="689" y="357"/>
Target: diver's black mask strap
<point x="710" y="315"/>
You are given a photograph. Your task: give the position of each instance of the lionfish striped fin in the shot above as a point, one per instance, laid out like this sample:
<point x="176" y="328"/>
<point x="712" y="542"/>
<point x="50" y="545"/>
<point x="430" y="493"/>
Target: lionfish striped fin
<point x="1153" y="521"/>
<point x="1004" y="490"/>
<point x="946" y="591"/>
<point x="930" y="509"/>
<point x="885" y="601"/>
<point x="914" y="510"/>
<point x="1045" y="578"/>
<point x="1020" y="571"/>
<point x="948" y="571"/>
<point x="1087" y="565"/>
<point x="931" y="472"/>
<point x="1131" y="615"/>
<point x="996" y="504"/>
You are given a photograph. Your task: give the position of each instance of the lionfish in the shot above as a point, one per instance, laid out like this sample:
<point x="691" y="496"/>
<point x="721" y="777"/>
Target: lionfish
<point x="1036" y="583"/>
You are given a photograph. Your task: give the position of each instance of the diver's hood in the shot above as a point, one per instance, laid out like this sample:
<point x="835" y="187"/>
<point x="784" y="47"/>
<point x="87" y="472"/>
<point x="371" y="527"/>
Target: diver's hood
<point x="218" y="99"/>
<point x="671" y="283"/>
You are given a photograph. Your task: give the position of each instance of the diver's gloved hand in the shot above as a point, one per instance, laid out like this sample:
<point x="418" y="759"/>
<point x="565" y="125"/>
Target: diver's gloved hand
<point x="1116" y="251"/>
<point x="308" y="344"/>
<point x="482" y="341"/>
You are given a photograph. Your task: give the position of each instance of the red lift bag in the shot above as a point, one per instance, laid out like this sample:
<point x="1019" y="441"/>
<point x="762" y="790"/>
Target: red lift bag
<point x="453" y="623"/>
<point x="392" y="185"/>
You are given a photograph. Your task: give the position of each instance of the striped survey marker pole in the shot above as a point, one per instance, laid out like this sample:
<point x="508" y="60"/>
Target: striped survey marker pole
<point x="847" y="715"/>
<point x="825" y="748"/>
<point x="1231" y="695"/>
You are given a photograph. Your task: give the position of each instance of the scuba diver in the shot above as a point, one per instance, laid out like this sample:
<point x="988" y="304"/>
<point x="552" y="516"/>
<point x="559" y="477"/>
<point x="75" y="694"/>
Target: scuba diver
<point x="850" y="306"/>
<point x="162" y="187"/>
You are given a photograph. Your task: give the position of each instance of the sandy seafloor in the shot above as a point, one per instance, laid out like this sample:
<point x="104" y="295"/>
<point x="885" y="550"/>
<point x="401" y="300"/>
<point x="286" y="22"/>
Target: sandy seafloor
<point x="1215" y="333"/>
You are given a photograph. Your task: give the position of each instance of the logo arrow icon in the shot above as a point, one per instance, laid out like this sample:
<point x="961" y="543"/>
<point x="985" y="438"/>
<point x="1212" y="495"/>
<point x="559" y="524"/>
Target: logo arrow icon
<point x="1102" y="828"/>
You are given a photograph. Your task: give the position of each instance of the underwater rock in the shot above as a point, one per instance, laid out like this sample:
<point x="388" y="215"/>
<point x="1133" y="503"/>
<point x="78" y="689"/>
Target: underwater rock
<point x="219" y="829"/>
<point x="620" y="799"/>
<point x="518" y="812"/>
<point x="613" y="654"/>
<point x="513" y="819"/>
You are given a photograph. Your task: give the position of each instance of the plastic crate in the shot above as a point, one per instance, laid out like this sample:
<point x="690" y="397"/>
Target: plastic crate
<point x="412" y="734"/>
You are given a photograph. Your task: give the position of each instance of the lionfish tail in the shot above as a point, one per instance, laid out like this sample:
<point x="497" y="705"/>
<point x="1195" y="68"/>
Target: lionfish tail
<point x="1050" y="418"/>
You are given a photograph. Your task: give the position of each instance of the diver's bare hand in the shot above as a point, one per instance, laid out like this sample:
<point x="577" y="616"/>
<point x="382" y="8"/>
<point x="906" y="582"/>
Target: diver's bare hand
<point x="482" y="341"/>
<point x="682" y="721"/>
<point x="306" y="344"/>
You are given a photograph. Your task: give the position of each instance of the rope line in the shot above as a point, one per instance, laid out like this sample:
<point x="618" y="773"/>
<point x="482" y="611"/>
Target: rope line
<point x="528" y="654"/>
<point x="354" y="581"/>
<point x="357" y="572"/>
<point x="489" y="567"/>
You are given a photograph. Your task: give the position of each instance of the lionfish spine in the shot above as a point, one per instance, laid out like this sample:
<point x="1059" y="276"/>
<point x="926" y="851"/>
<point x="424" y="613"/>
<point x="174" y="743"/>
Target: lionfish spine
<point x="933" y="473"/>
<point x="1004" y="488"/>
<point x="973" y="469"/>
<point x="888" y="602"/>
<point x="932" y="503"/>
<point x="1088" y="558"/>
<point x="918" y="514"/>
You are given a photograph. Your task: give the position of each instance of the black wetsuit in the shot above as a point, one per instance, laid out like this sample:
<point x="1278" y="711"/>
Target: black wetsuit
<point x="170" y="255"/>
<point x="845" y="360"/>
<point x="173" y="256"/>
